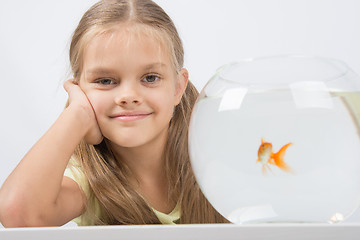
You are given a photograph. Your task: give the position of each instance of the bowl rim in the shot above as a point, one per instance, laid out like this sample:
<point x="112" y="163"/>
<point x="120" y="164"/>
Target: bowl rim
<point x="346" y="69"/>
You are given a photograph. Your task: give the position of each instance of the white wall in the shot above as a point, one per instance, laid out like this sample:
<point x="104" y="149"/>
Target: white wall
<point x="34" y="39"/>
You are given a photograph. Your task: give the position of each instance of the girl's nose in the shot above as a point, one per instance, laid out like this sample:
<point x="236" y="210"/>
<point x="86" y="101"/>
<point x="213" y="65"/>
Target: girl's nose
<point x="128" y="96"/>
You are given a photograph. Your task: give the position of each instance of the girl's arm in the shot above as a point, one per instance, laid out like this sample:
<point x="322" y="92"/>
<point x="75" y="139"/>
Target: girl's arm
<point x="36" y="193"/>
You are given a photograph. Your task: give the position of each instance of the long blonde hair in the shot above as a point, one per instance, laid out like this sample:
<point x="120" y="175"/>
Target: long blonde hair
<point x="108" y="176"/>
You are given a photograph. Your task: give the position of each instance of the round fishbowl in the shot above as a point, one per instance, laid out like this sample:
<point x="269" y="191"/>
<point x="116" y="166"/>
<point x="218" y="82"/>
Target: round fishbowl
<point x="276" y="140"/>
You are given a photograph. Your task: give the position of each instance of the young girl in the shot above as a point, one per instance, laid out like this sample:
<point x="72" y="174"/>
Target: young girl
<point x="118" y="153"/>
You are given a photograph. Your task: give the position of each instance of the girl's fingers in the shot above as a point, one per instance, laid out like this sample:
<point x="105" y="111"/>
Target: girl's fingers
<point x="68" y="84"/>
<point x="74" y="91"/>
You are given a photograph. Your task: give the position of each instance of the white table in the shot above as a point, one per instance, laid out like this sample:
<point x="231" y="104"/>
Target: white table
<point x="206" y="231"/>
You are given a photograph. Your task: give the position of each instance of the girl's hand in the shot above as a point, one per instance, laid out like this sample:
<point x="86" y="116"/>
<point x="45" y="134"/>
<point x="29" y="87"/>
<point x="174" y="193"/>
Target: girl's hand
<point x="78" y="98"/>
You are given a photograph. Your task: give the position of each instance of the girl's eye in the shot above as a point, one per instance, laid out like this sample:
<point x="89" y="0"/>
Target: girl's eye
<point x="105" y="81"/>
<point x="151" y="79"/>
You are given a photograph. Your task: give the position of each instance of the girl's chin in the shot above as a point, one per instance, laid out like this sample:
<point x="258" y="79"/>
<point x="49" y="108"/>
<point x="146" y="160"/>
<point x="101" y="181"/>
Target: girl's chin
<point x="128" y="143"/>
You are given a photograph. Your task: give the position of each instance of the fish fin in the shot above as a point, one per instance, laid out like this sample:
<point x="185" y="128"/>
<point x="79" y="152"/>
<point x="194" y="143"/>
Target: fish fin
<point x="265" y="169"/>
<point x="279" y="159"/>
<point x="262" y="140"/>
<point x="264" y="173"/>
<point x="269" y="168"/>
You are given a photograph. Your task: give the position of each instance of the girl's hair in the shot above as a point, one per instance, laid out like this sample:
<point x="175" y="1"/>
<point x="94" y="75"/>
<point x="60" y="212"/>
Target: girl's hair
<point x="108" y="176"/>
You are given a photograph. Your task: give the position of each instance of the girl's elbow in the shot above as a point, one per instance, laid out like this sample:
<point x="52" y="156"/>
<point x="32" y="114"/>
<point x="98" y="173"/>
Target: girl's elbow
<point x="11" y="214"/>
<point x="16" y="213"/>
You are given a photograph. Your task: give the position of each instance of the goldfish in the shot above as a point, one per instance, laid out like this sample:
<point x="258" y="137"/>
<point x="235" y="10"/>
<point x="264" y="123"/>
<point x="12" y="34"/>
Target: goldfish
<point x="266" y="156"/>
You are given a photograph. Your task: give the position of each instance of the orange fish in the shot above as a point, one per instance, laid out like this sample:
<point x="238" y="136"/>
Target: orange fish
<point x="267" y="156"/>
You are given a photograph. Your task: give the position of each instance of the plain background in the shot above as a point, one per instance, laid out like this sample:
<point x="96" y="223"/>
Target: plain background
<point x="35" y="36"/>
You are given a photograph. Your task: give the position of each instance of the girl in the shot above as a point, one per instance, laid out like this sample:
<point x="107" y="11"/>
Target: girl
<point x="122" y="139"/>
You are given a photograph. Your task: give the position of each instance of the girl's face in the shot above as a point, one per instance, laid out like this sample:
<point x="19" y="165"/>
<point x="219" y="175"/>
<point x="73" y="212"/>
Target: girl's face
<point x="131" y="83"/>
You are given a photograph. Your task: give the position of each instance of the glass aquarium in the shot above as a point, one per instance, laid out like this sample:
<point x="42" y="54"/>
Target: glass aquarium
<point x="276" y="140"/>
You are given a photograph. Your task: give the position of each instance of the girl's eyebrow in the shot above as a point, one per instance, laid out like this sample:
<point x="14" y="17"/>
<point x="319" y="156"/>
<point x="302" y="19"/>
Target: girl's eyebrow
<point x="109" y="71"/>
<point x="99" y="71"/>
<point x="154" y="65"/>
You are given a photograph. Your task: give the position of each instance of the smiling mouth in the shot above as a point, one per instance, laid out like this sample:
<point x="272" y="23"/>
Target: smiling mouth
<point x="130" y="117"/>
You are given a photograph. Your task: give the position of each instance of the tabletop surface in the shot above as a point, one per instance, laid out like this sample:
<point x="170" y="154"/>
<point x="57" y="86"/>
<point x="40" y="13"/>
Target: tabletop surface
<point x="204" y="231"/>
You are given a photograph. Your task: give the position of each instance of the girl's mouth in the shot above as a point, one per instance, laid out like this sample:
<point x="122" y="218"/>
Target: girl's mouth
<point x="130" y="116"/>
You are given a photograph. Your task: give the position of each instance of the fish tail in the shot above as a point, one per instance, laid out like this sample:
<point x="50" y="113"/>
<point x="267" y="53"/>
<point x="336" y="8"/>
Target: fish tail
<point x="279" y="159"/>
<point x="283" y="166"/>
<point x="280" y="154"/>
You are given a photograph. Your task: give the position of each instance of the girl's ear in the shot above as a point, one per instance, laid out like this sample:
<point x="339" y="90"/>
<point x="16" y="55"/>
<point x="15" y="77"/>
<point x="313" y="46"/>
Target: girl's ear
<point x="181" y="84"/>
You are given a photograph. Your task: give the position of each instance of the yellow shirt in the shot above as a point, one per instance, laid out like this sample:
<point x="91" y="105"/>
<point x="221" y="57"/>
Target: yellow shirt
<point x="75" y="172"/>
